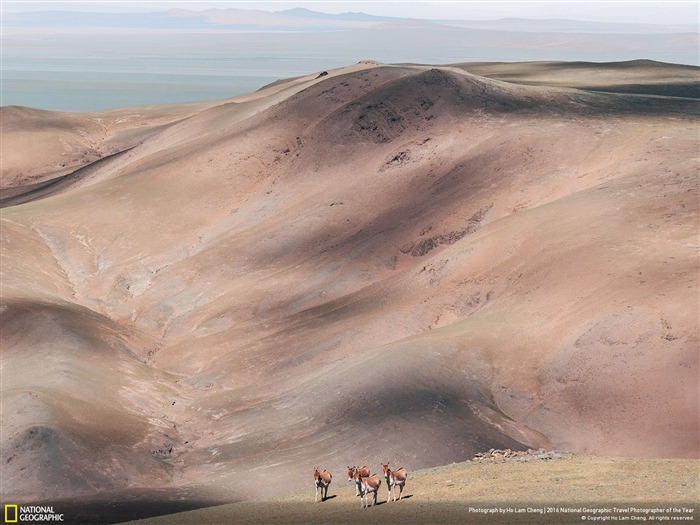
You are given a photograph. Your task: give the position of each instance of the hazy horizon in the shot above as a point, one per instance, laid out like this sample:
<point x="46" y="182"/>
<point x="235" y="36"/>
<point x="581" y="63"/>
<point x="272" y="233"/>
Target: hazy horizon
<point x="673" y="12"/>
<point x="106" y="55"/>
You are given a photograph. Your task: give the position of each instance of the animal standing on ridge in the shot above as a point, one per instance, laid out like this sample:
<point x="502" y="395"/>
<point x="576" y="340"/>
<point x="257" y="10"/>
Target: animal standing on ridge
<point x="364" y="472"/>
<point x="365" y="486"/>
<point x="394" y="478"/>
<point x="321" y="481"/>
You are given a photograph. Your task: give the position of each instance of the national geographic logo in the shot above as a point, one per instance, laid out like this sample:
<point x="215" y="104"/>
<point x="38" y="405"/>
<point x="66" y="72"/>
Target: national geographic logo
<point x="31" y="514"/>
<point x="11" y="513"/>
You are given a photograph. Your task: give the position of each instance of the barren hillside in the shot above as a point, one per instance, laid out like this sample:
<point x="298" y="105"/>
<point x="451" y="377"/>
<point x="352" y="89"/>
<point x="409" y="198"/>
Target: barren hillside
<point x="397" y="263"/>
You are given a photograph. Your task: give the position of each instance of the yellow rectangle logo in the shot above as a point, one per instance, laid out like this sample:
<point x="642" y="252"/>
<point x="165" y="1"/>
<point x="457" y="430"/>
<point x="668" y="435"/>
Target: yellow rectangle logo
<point x="11" y="513"/>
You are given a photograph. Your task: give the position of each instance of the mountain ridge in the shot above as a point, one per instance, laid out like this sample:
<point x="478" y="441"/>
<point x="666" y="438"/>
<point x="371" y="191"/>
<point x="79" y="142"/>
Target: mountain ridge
<point x="459" y="262"/>
<point x="181" y="18"/>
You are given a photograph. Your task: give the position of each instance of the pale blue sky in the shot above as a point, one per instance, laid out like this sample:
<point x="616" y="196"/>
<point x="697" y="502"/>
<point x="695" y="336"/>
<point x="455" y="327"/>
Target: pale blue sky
<point x="664" y="12"/>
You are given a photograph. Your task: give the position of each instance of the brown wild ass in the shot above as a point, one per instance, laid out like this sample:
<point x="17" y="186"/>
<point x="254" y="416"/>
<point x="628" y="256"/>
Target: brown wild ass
<point x="367" y="485"/>
<point x="394" y="478"/>
<point x="364" y="472"/>
<point x="322" y="480"/>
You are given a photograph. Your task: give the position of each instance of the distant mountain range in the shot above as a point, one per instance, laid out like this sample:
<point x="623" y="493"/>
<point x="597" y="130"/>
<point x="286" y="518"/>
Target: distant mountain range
<point x="305" y="20"/>
<point x="350" y="17"/>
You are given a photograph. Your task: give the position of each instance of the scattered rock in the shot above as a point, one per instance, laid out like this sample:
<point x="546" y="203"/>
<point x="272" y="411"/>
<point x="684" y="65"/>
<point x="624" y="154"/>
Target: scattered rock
<point x="398" y="159"/>
<point x="163" y="452"/>
<point x="516" y="455"/>
<point x="423" y="246"/>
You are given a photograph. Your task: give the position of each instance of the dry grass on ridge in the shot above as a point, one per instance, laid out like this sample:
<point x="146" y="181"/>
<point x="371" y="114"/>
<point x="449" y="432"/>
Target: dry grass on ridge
<point x="444" y="494"/>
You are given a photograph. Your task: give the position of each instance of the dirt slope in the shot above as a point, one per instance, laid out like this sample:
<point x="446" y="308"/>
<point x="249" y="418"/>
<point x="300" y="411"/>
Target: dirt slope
<point x="39" y="145"/>
<point x="386" y="263"/>
<point x="633" y="76"/>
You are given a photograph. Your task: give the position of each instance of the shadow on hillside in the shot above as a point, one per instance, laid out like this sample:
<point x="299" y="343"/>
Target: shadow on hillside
<point x="111" y="508"/>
